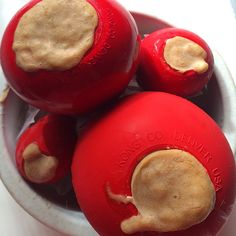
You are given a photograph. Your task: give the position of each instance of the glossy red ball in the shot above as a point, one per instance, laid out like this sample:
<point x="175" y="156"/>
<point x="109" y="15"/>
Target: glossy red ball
<point x="103" y="73"/>
<point x="108" y="152"/>
<point x="55" y="136"/>
<point x="156" y="74"/>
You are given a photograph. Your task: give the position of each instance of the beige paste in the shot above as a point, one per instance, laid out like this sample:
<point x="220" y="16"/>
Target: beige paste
<point x="171" y="191"/>
<point x="183" y="55"/>
<point x="38" y="167"/>
<point x="4" y="94"/>
<point x="55" y="34"/>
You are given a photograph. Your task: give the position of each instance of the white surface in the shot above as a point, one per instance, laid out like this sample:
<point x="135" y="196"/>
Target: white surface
<point x="214" y="20"/>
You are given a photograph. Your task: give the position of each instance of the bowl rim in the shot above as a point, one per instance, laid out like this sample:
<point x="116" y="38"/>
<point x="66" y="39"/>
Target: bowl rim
<point x="73" y="222"/>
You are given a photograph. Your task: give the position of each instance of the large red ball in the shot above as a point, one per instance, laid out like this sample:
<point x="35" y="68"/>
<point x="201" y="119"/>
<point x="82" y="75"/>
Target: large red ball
<point x="108" y="152"/>
<point x="103" y="72"/>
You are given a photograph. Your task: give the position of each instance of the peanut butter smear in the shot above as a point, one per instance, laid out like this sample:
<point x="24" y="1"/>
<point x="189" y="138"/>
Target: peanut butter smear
<point x="183" y="55"/>
<point x="171" y="191"/>
<point x="4" y="94"/>
<point x="55" y="34"/>
<point x="38" y="167"/>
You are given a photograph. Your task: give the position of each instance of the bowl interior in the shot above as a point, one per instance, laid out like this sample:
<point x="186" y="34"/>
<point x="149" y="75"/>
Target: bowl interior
<point x="57" y="203"/>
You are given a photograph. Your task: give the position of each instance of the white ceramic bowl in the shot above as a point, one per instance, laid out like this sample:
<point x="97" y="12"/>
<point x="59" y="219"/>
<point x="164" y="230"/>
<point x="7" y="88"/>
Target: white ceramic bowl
<point x="40" y="202"/>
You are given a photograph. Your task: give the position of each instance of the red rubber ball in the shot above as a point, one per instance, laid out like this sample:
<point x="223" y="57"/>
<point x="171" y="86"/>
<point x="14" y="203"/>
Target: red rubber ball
<point x="156" y="73"/>
<point x="108" y="152"/>
<point x="103" y="72"/>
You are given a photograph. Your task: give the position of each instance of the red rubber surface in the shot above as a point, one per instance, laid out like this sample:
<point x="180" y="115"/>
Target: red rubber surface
<point x="157" y="75"/>
<point x="103" y="73"/>
<point x="55" y="136"/>
<point x="108" y="152"/>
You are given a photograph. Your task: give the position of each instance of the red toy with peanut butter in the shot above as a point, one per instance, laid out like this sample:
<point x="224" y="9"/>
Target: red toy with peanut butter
<point x="69" y="57"/>
<point x="44" y="150"/>
<point x="175" y="61"/>
<point x="155" y="163"/>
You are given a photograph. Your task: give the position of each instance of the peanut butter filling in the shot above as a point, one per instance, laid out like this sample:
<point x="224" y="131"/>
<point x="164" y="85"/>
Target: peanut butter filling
<point x="38" y="167"/>
<point x="183" y="55"/>
<point x="4" y="94"/>
<point x="171" y="191"/>
<point x="55" y="34"/>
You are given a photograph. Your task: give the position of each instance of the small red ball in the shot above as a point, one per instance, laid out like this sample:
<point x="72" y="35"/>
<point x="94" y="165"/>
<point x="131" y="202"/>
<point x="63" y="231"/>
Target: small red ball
<point x="176" y="61"/>
<point x="44" y="150"/>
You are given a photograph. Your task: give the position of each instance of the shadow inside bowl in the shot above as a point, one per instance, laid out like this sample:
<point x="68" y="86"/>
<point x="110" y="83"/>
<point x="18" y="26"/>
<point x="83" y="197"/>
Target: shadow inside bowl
<point x="148" y="24"/>
<point x="211" y="101"/>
